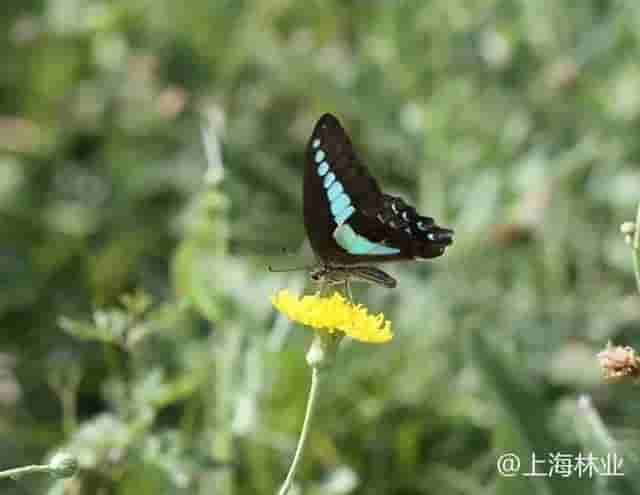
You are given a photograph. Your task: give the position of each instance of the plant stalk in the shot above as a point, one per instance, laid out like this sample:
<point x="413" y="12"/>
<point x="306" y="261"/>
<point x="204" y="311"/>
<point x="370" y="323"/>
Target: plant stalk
<point x="311" y="401"/>
<point x="636" y="249"/>
<point x="16" y="473"/>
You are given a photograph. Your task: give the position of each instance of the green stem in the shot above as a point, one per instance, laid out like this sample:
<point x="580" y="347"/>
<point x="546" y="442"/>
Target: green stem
<point x="311" y="401"/>
<point x="16" y="473"/>
<point x="636" y="249"/>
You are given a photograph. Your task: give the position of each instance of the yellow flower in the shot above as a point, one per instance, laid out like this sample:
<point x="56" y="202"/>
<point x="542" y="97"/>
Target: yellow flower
<point x="333" y="314"/>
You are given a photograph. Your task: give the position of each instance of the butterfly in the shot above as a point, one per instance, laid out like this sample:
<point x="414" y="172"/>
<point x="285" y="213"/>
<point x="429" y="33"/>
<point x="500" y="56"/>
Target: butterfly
<point x="350" y="222"/>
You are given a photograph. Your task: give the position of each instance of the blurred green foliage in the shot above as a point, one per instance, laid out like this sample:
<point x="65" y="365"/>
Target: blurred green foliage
<point x="136" y="326"/>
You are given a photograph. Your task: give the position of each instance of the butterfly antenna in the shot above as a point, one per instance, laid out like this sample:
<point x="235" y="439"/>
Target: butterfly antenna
<point x="293" y="269"/>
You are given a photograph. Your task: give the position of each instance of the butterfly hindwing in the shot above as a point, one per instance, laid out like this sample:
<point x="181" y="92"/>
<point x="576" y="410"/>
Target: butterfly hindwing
<point x="347" y="217"/>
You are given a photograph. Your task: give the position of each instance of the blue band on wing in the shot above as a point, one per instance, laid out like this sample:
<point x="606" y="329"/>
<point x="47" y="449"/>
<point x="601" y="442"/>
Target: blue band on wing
<point x="328" y="180"/>
<point x="339" y="204"/>
<point x="344" y="215"/>
<point x="323" y="168"/>
<point x="334" y="191"/>
<point x="354" y="243"/>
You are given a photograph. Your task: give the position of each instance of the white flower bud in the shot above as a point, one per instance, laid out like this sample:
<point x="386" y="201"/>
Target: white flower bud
<point x="628" y="228"/>
<point x="63" y="465"/>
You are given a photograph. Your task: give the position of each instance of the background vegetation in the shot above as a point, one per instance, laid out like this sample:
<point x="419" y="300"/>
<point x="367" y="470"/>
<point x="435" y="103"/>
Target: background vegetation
<point x="136" y="326"/>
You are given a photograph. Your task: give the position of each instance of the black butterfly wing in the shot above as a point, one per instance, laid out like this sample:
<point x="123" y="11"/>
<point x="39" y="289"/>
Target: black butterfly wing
<point x="394" y="228"/>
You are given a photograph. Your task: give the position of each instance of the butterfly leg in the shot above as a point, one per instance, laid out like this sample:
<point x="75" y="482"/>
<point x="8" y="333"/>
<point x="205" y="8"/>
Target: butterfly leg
<point x="323" y="287"/>
<point x="347" y="289"/>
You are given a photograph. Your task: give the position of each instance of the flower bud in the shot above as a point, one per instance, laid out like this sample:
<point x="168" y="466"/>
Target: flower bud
<point x="63" y="465"/>
<point x="628" y="229"/>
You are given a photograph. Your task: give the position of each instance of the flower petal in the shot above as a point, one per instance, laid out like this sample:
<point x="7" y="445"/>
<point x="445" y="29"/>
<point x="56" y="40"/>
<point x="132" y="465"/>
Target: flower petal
<point x="332" y="314"/>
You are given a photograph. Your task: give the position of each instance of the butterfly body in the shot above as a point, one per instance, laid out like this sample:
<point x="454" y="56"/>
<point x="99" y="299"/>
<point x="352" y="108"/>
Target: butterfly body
<point x="350" y="221"/>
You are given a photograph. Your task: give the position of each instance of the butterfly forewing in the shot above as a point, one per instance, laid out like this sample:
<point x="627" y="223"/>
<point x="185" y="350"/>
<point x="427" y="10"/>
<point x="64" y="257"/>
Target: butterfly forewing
<point x="334" y="141"/>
